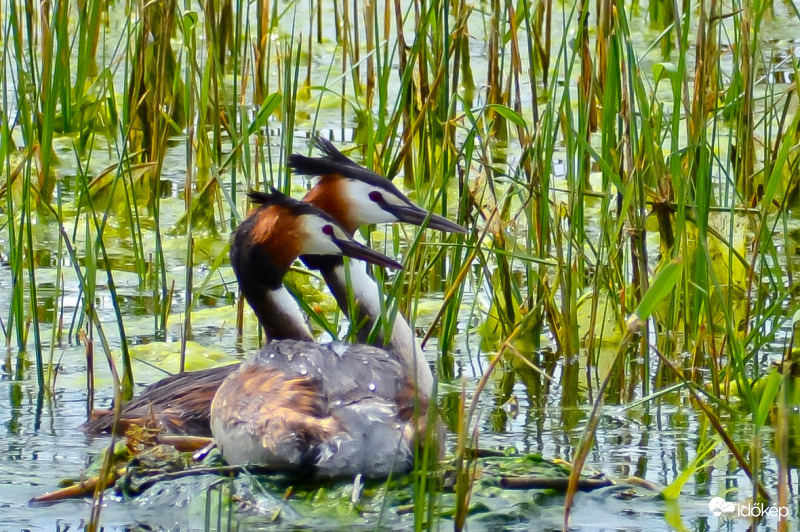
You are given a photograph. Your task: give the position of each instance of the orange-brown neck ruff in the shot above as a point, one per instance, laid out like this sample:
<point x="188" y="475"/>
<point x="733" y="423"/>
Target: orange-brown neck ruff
<point x="262" y="251"/>
<point x="327" y="196"/>
<point x="277" y="232"/>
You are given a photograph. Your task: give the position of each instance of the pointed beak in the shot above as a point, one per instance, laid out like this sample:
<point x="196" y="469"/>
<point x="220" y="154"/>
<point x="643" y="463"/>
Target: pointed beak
<point x="411" y="214"/>
<point x="351" y="248"/>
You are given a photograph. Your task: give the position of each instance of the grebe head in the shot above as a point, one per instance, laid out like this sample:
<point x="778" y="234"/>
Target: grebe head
<point x="281" y="229"/>
<point x="269" y="240"/>
<point x="356" y="196"/>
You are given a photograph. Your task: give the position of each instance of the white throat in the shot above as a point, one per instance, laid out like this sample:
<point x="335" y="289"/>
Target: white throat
<point x="281" y="317"/>
<point x="366" y="294"/>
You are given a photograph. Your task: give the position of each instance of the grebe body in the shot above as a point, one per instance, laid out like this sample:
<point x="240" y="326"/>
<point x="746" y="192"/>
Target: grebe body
<point x="330" y="410"/>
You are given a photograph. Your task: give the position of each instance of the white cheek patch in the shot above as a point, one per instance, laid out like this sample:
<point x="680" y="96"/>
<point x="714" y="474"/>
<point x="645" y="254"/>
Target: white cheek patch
<point x="316" y="241"/>
<point x="362" y="210"/>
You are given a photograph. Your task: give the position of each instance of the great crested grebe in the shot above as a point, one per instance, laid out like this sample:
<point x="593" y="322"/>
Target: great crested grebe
<point x="354" y="196"/>
<point x="332" y="410"/>
<point x="181" y="403"/>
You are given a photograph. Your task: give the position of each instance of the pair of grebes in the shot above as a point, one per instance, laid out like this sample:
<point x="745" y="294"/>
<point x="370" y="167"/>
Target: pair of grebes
<point x="298" y="406"/>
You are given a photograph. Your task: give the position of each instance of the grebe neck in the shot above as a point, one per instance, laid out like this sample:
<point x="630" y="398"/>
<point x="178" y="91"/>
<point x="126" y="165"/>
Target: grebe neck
<point x="279" y="314"/>
<point x="364" y="291"/>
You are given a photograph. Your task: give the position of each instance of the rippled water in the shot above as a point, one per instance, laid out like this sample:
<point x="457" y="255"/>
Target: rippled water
<point x="40" y="444"/>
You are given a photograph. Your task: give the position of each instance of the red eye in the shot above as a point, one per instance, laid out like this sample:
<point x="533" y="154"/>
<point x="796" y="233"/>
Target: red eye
<point x="327" y="229"/>
<point x="375" y="196"/>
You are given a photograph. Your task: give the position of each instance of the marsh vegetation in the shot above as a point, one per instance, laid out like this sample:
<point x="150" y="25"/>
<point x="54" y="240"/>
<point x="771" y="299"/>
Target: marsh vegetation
<point x="624" y="299"/>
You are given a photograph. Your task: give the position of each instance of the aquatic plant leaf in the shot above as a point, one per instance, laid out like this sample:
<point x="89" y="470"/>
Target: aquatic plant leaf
<point x="608" y="327"/>
<point x="189" y="21"/>
<point x="662" y="285"/>
<point x="508" y="113"/>
<point x="121" y="455"/>
<point x="267" y="108"/>
<point x="673" y="491"/>
<point x="771" y="388"/>
<point x="673" y="516"/>
<point x="166" y="355"/>
<point x="779" y="165"/>
<point x="796" y="318"/>
<point x="668" y="70"/>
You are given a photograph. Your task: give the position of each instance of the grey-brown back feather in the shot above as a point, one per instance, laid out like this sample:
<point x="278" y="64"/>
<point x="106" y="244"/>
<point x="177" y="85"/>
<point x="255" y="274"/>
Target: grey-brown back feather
<point x="345" y="372"/>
